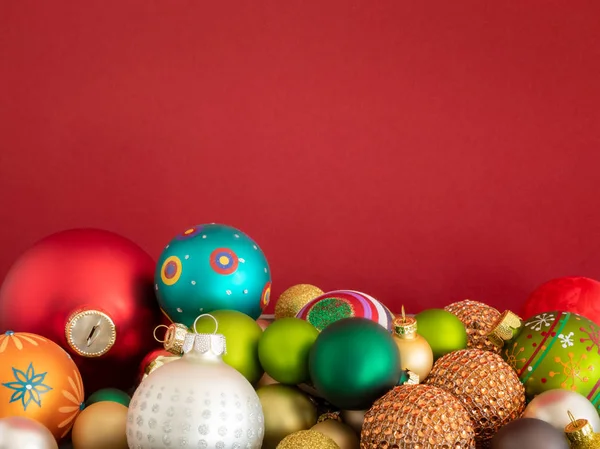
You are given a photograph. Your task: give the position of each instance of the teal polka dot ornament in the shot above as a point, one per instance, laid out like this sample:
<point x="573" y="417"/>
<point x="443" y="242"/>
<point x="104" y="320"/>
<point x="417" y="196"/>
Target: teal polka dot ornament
<point x="212" y="267"/>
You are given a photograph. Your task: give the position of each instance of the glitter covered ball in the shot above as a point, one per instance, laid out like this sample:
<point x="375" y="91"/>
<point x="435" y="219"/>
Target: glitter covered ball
<point x="417" y="416"/>
<point x="292" y="300"/>
<point x="486" y="385"/>
<point x="307" y="439"/>
<point x="479" y="320"/>
<point x="337" y="305"/>
<point x="210" y="267"/>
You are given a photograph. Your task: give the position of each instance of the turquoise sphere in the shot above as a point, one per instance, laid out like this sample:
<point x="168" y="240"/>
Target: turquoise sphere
<point x="212" y="267"/>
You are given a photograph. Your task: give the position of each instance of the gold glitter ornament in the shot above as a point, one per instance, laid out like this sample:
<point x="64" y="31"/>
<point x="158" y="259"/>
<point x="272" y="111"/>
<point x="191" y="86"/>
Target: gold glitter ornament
<point x="485" y="384"/>
<point x="581" y="435"/>
<point x="292" y="300"/>
<point x="307" y="439"/>
<point x="479" y="319"/>
<point x="417" y="416"/>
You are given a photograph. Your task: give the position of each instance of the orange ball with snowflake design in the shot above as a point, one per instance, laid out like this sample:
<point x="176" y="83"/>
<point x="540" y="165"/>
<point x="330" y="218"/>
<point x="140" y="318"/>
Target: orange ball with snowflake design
<point x="38" y="380"/>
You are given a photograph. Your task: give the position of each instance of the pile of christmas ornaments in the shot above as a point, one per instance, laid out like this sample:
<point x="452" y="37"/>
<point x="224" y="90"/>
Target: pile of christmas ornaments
<point x="101" y="347"/>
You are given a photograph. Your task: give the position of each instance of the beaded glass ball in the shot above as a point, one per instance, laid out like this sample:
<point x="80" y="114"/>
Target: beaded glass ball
<point x="417" y="416"/>
<point x="479" y="319"/>
<point x="486" y="385"/>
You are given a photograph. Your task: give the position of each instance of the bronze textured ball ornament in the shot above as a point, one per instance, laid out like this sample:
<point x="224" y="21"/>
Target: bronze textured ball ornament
<point x="479" y="320"/>
<point x="417" y="416"/>
<point x="485" y="384"/>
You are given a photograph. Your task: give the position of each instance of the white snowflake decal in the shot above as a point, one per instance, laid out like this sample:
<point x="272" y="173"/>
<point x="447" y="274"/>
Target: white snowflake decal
<point x="539" y="321"/>
<point x="566" y="340"/>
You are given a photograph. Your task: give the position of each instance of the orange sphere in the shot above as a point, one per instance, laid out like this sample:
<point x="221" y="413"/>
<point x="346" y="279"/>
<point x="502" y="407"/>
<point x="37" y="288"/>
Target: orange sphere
<point x="38" y="380"/>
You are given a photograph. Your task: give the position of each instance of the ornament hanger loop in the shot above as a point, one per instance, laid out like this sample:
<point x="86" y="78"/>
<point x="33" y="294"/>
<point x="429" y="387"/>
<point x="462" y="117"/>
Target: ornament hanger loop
<point x="214" y="319"/>
<point x="157" y="328"/>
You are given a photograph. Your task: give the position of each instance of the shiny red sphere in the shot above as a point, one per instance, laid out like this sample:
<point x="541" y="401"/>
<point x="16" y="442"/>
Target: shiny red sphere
<point x="578" y="295"/>
<point x="93" y="269"/>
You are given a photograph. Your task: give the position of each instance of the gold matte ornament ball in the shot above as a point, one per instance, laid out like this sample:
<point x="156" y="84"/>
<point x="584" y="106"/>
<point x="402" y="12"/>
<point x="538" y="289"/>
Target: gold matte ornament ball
<point x="417" y="416"/>
<point x="479" y="319"/>
<point x="307" y="439"/>
<point x="487" y="386"/>
<point x="294" y="298"/>
<point x="286" y="410"/>
<point x="101" y="425"/>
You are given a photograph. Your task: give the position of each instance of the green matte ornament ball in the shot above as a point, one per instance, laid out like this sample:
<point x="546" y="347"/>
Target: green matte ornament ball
<point x="283" y="350"/>
<point x="242" y="334"/>
<point x="109" y="394"/>
<point x="353" y="362"/>
<point x="443" y="331"/>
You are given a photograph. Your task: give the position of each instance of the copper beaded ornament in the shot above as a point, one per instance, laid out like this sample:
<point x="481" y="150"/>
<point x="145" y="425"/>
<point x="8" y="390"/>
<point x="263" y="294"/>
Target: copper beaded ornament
<point x="417" y="416"/>
<point x="479" y="319"/>
<point x="485" y="384"/>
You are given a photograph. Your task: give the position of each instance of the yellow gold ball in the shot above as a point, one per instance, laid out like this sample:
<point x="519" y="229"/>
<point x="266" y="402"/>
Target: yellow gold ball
<point x="415" y="355"/>
<point x="307" y="439"/>
<point x="294" y="298"/>
<point x="479" y="320"/>
<point x="488" y="388"/>
<point x="101" y="425"/>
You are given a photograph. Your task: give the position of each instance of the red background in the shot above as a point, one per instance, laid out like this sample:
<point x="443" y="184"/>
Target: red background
<point x="423" y="152"/>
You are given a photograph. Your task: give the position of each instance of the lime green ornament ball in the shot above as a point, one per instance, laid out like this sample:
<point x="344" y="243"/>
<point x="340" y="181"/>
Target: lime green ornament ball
<point x="443" y="331"/>
<point x="109" y="395"/>
<point x="242" y="334"/>
<point x="283" y="350"/>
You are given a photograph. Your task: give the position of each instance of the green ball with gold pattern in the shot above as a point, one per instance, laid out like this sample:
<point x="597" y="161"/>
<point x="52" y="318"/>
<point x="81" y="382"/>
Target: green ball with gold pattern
<point x="552" y="350"/>
<point x="212" y="267"/>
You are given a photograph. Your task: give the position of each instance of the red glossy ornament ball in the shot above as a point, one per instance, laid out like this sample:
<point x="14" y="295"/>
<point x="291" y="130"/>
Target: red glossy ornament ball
<point x="578" y="295"/>
<point x="92" y="292"/>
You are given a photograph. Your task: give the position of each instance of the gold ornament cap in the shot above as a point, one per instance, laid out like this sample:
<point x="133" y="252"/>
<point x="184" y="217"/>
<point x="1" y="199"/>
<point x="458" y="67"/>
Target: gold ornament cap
<point x="506" y="328"/>
<point x="580" y="433"/>
<point x="90" y="332"/>
<point x="174" y="337"/>
<point x="405" y="327"/>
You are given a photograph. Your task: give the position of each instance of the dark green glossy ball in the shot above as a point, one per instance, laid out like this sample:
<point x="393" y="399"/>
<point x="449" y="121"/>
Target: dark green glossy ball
<point x="353" y="362"/>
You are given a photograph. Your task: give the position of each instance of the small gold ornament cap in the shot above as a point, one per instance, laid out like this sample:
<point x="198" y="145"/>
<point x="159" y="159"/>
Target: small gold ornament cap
<point x="90" y="332"/>
<point x="174" y="337"/>
<point x="405" y="327"/>
<point x="506" y="328"/>
<point x="580" y="432"/>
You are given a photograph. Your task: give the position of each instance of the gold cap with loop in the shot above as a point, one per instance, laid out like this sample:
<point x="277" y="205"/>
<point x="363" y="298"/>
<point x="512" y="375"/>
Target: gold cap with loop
<point x="580" y="434"/>
<point x="405" y="327"/>
<point x="90" y="332"/>
<point x="507" y="327"/>
<point x="174" y="337"/>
